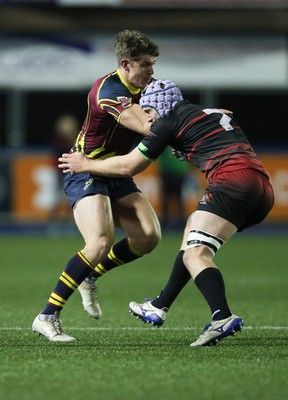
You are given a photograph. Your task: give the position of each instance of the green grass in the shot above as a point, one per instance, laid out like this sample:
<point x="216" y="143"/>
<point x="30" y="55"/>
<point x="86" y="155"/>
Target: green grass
<point x="119" y="357"/>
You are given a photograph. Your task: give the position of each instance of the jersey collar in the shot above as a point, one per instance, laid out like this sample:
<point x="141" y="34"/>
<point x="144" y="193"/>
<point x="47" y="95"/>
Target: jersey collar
<point x="131" y="88"/>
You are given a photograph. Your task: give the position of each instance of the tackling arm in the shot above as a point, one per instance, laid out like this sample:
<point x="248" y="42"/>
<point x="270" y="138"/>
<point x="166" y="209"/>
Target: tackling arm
<point x="118" y="166"/>
<point x="136" y="119"/>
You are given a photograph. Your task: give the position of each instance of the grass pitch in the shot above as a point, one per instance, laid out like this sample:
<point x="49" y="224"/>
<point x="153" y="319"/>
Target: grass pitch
<point x="119" y="357"/>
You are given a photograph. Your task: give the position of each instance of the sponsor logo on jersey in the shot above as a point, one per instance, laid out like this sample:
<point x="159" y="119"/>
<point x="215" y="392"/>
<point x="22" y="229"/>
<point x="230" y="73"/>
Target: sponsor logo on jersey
<point x="125" y="101"/>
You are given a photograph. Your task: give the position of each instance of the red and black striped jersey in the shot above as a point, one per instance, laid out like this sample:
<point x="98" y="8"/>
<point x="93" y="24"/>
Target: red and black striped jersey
<point x="102" y="135"/>
<point x="209" y="139"/>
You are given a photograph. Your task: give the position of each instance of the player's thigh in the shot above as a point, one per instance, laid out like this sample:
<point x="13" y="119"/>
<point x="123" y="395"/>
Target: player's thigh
<point x="206" y="232"/>
<point x="135" y="215"/>
<point x="212" y="223"/>
<point x="93" y="217"/>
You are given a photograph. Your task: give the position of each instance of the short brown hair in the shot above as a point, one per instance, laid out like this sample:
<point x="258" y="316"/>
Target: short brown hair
<point x="133" y="44"/>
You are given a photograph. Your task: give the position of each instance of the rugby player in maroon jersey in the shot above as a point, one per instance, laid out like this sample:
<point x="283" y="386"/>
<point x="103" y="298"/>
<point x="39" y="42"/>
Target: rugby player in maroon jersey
<point x="238" y="195"/>
<point x="114" y="124"/>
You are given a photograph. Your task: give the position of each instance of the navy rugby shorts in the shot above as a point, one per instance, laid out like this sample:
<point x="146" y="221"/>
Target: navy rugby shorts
<point x="243" y="197"/>
<point x="77" y="186"/>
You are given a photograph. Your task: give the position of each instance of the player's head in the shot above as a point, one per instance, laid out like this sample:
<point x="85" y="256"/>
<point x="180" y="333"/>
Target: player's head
<point x="136" y="55"/>
<point x="132" y="45"/>
<point x="162" y="95"/>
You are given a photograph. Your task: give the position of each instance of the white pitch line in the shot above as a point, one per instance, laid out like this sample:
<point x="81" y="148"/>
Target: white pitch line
<point x="130" y="328"/>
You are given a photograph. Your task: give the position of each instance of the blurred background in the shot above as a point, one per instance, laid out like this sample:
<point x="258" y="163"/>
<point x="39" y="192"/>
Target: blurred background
<point x="222" y="53"/>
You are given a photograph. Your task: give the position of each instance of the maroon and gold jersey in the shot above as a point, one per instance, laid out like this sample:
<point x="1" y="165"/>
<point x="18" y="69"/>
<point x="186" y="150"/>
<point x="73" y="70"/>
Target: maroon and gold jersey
<point x="207" y="138"/>
<point x="102" y="135"/>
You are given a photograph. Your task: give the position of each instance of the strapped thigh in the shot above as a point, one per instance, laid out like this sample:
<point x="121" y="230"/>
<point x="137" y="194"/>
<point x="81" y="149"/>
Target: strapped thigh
<point x="201" y="238"/>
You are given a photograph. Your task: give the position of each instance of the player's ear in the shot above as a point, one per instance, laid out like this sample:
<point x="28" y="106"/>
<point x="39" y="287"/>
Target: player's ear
<point x="124" y="63"/>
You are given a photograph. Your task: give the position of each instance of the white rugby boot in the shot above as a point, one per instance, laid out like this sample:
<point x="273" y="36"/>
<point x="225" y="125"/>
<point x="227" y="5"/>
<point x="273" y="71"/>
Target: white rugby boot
<point x="148" y="313"/>
<point x="89" y="293"/>
<point x="50" y="326"/>
<point x="218" y="330"/>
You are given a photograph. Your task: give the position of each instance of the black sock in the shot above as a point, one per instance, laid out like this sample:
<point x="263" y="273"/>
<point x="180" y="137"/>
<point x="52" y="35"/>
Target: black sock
<point x="121" y="253"/>
<point x="211" y="284"/>
<point x="179" y="277"/>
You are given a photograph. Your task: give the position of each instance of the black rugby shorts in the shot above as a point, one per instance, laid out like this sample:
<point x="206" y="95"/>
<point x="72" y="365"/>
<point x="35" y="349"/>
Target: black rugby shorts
<point x="243" y="197"/>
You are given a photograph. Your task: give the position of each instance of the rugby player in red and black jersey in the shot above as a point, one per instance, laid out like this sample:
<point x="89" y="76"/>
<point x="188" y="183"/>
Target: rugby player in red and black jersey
<point x="238" y="195"/>
<point x="113" y="125"/>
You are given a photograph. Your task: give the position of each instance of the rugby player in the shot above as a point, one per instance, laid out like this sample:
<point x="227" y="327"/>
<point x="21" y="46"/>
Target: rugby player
<point x="114" y="124"/>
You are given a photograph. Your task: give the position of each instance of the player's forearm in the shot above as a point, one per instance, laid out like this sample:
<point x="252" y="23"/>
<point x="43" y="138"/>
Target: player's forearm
<point x="118" y="166"/>
<point x="79" y="163"/>
<point x="114" y="167"/>
<point x="135" y="119"/>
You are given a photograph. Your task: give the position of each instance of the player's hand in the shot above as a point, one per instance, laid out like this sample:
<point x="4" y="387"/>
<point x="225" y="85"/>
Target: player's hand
<point x="73" y="163"/>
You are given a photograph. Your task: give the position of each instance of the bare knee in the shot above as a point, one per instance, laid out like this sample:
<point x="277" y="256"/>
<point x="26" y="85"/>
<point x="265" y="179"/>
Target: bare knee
<point x="193" y="255"/>
<point x="95" y="251"/>
<point x="146" y="241"/>
<point x="152" y="241"/>
<point x="196" y="259"/>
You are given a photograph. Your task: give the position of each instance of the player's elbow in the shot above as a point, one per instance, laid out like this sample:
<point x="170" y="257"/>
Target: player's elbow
<point x="127" y="171"/>
<point x="131" y="165"/>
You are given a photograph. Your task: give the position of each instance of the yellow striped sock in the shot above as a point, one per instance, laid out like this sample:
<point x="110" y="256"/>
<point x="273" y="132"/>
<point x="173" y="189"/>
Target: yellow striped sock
<point x="56" y="300"/>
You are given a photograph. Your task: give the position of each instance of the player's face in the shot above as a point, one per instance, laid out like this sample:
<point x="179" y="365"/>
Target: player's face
<point x="140" y="71"/>
<point x="152" y="114"/>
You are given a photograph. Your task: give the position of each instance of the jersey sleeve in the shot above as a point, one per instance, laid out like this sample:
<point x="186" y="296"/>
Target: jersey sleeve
<point x="152" y="146"/>
<point x="114" y="98"/>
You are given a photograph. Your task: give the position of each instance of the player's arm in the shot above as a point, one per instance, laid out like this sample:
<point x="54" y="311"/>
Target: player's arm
<point x="136" y="119"/>
<point x="118" y="166"/>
